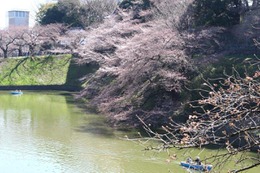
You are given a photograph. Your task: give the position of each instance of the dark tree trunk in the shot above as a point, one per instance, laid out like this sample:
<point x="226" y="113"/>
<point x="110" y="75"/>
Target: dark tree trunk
<point x="5" y="54"/>
<point x="20" y="51"/>
<point x="31" y="50"/>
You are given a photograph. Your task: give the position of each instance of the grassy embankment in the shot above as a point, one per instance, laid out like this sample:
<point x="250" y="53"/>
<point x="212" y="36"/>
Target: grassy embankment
<point x="44" y="72"/>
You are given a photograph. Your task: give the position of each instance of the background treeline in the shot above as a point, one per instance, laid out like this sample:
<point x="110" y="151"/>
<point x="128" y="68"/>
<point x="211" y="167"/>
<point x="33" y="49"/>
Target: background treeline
<point x="58" y="29"/>
<point x="183" y="15"/>
<point x="76" y="13"/>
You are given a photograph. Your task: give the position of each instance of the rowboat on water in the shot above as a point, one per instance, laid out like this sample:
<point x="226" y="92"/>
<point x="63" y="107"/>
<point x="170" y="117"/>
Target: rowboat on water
<point x="196" y="166"/>
<point x="16" y="92"/>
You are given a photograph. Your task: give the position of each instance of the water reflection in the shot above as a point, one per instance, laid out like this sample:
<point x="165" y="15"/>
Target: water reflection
<point x="45" y="132"/>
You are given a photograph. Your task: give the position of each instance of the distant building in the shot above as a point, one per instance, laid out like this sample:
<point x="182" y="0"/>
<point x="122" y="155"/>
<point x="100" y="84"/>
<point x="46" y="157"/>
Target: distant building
<point x="51" y="1"/>
<point x="18" y="18"/>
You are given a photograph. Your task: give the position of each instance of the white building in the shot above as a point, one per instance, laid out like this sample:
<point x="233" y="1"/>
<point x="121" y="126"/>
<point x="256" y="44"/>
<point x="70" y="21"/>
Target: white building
<point x="18" y="18"/>
<point x="51" y="1"/>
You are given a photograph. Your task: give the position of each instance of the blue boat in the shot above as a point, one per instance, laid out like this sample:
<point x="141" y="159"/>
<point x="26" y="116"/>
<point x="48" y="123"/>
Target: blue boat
<point x="16" y="92"/>
<point x="196" y="167"/>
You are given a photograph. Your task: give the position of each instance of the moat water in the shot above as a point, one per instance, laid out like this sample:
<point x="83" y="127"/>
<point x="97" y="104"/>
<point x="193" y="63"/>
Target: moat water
<point x="47" y="132"/>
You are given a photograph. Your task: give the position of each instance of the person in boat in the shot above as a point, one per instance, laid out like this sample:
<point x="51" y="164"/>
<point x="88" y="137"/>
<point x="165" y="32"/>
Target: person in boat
<point x="197" y="160"/>
<point x="189" y="160"/>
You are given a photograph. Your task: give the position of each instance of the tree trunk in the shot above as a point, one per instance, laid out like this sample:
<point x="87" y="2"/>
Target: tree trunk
<point x="20" y="51"/>
<point x="31" y="50"/>
<point x="5" y="53"/>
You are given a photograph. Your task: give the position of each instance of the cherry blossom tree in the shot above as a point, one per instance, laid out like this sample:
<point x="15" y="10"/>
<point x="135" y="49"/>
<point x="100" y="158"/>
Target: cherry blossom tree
<point x="7" y="37"/>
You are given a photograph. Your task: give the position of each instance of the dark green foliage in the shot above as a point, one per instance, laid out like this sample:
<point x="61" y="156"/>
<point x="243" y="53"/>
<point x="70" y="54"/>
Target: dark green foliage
<point x="146" y="4"/>
<point x="66" y="12"/>
<point x="217" y="12"/>
<point x="126" y="4"/>
<point x="74" y="13"/>
<point x="52" y="15"/>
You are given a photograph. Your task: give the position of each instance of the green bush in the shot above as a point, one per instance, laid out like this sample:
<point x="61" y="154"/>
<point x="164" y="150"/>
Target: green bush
<point x="217" y="12"/>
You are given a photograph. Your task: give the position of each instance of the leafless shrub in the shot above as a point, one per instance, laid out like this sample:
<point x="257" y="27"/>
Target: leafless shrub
<point x="205" y="41"/>
<point x="176" y="14"/>
<point x="96" y="10"/>
<point x="249" y="28"/>
<point x="227" y="115"/>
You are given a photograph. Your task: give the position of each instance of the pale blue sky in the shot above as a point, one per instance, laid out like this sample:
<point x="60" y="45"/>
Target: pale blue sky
<point x="30" y="5"/>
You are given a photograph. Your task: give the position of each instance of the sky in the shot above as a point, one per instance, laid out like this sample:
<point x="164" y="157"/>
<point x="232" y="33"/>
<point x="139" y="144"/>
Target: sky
<point x="30" y="5"/>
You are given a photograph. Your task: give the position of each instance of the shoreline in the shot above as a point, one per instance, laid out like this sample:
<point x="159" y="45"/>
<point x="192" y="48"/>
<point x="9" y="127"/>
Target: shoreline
<point x="41" y="87"/>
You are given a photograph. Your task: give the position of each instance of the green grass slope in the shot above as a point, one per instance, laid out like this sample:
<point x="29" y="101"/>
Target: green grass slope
<point x="49" y="70"/>
<point x="44" y="71"/>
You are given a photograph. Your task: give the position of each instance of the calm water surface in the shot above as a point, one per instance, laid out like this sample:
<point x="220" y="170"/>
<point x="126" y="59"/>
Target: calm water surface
<point x="45" y="132"/>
